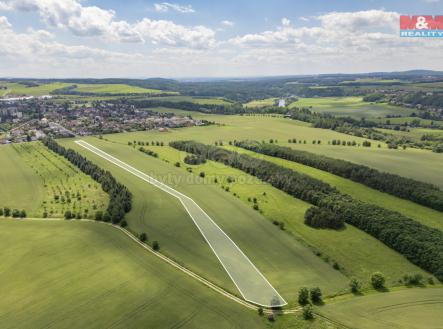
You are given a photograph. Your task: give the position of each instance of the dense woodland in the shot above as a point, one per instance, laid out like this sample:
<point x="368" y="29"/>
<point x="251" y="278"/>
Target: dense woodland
<point x="120" y="198"/>
<point x="421" y="244"/>
<point x="406" y="188"/>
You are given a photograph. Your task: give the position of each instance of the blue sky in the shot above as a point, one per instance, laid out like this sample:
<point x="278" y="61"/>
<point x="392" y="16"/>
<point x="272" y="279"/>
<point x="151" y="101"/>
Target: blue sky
<point x="138" y="38"/>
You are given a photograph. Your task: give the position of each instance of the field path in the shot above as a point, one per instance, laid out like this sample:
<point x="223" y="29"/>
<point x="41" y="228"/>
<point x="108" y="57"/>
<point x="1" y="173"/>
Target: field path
<point x="250" y="282"/>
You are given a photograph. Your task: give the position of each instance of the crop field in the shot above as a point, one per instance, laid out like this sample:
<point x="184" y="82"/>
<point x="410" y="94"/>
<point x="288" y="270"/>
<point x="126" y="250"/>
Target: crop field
<point x="403" y="120"/>
<point x="261" y="102"/>
<point x="427" y="216"/>
<point x="46" y="185"/>
<point x="80" y="274"/>
<point x="418" y="164"/>
<point x="285" y="262"/>
<point x="17" y="89"/>
<point x="351" y="106"/>
<point x="115" y="89"/>
<point x="357" y="253"/>
<point x="412" y="308"/>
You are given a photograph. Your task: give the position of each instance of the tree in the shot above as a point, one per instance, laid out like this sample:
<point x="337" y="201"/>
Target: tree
<point x="143" y="237"/>
<point x="303" y="296"/>
<point x="177" y="164"/>
<point x="68" y="214"/>
<point x="155" y="245"/>
<point x="355" y="285"/>
<point x="308" y="314"/>
<point x="1" y="211"/>
<point x="123" y="223"/>
<point x="202" y="174"/>
<point x="316" y="295"/>
<point x="23" y="214"/>
<point x="378" y="280"/>
<point x="7" y="212"/>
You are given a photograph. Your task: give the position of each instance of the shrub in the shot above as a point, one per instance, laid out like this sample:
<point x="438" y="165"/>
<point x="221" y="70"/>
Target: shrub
<point x="413" y="279"/>
<point x="143" y="237"/>
<point x="355" y="285"/>
<point x="177" y="164"/>
<point x="378" y="280"/>
<point x="6" y="212"/>
<point x="316" y="295"/>
<point x="68" y="215"/>
<point x="1" y="211"/>
<point x="260" y="311"/>
<point x="202" y="174"/>
<point x="303" y="296"/>
<point x="308" y="314"/>
<point x="99" y="215"/>
<point x="156" y="246"/>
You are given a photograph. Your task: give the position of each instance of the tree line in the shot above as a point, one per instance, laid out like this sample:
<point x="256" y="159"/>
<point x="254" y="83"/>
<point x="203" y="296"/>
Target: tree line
<point x="120" y="198"/>
<point x="421" y="244"/>
<point x="406" y="188"/>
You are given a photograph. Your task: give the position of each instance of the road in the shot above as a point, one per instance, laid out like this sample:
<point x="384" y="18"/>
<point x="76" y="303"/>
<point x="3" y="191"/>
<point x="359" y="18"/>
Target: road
<point x="250" y="282"/>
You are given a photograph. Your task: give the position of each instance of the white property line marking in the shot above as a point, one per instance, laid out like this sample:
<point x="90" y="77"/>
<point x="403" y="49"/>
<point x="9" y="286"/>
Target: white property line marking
<point x="263" y="284"/>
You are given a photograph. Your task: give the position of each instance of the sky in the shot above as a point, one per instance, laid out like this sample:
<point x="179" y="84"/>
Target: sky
<point x="196" y="38"/>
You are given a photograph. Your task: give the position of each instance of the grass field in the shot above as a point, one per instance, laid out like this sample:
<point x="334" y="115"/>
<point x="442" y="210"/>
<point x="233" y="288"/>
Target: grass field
<point x="286" y="263"/>
<point x="198" y="100"/>
<point x="415" y="308"/>
<point x="418" y="164"/>
<point x="357" y="253"/>
<point x="261" y="102"/>
<point x="427" y="216"/>
<point x="115" y="89"/>
<point x="41" y="182"/>
<point x="88" y="275"/>
<point x="351" y="106"/>
<point x="17" y="89"/>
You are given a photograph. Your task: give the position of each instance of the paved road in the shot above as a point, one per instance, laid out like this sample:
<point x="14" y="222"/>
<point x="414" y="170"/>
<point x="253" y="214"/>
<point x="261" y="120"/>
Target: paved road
<point x="250" y="282"/>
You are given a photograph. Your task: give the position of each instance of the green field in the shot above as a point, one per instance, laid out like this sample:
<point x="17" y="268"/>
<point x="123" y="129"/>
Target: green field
<point x="351" y="106"/>
<point x="427" y="216"/>
<point x="115" y="89"/>
<point x="261" y="102"/>
<point x="285" y="262"/>
<point x="357" y="253"/>
<point x="418" y="164"/>
<point x="89" y="275"/>
<point x="411" y="308"/>
<point x="17" y="89"/>
<point x="41" y="182"/>
<point x="198" y="100"/>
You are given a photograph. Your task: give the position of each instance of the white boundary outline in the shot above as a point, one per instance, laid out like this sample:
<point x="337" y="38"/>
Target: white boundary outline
<point x="181" y="196"/>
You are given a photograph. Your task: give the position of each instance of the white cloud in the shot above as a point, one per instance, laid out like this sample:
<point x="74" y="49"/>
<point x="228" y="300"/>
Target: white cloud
<point x="360" y="20"/>
<point x="166" y="6"/>
<point x="93" y="21"/>
<point x="285" y="21"/>
<point x="227" y="23"/>
<point x="168" y="33"/>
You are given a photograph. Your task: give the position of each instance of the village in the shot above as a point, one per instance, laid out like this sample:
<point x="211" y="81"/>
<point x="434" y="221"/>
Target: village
<point x="32" y="119"/>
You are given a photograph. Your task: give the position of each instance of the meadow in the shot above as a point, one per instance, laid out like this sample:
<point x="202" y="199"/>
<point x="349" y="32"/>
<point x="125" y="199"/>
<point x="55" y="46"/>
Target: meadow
<point x="115" y="89"/>
<point x="356" y="253"/>
<point x="46" y="185"/>
<point x="413" y="308"/>
<point x="81" y="274"/>
<point x="351" y="106"/>
<point x="284" y="261"/>
<point x="17" y="89"/>
<point x="197" y="100"/>
<point x="261" y="102"/>
<point x="418" y="164"/>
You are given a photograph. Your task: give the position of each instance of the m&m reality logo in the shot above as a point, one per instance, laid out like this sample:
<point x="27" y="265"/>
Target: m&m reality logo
<point x="421" y="26"/>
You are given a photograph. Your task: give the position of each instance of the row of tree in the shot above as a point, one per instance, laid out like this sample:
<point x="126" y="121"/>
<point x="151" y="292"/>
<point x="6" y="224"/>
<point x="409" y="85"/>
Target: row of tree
<point x="14" y="213"/>
<point x="423" y="193"/>
<point x="120" y="198"/>
<point x="421" y="244"/>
